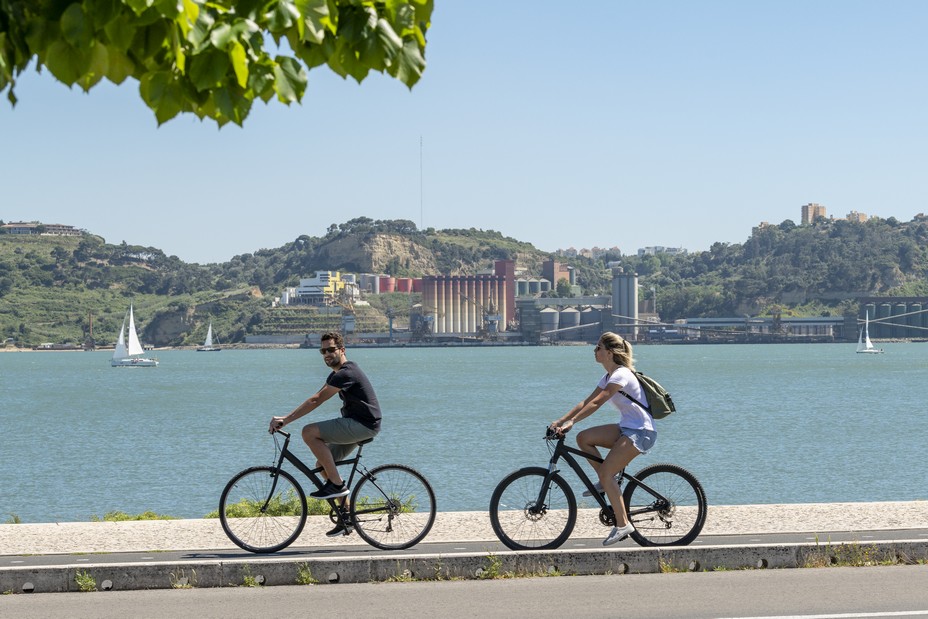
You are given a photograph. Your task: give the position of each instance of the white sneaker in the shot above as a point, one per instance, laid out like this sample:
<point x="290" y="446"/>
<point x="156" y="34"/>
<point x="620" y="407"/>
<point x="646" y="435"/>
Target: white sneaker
<point x="599" y="487"/>
<point x="618" y="534"/>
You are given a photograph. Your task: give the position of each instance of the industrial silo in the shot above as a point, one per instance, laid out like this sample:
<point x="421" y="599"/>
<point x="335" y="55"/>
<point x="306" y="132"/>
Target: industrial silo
<point x="625" y="303"/>
<point x="549" y="321"/>
<point x="899" y="321"/>
<point x="569" y="319"/>
<point x="914" y="320"/>
<point x="883" y="312"/>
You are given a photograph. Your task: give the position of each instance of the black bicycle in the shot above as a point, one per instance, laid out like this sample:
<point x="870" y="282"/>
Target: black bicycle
<point x="534" y="508"/>
<point x="263" y="509"/>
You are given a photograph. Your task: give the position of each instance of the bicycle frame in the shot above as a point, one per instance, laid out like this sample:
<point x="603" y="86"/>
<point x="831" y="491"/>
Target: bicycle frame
<point x="566" y="452"/>
<point x="312" y="474"/>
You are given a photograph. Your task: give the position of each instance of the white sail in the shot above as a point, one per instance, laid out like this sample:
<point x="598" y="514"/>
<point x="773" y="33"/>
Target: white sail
<point x="135" y="346"/>
<point x="120" y="352"/>
<point x="864" y="345"/>
<point x="126" y="355"/>
<point x="208" y="344"/>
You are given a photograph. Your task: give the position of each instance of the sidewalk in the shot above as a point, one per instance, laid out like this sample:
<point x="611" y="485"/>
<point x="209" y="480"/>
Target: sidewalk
<point x="165" y="535"/>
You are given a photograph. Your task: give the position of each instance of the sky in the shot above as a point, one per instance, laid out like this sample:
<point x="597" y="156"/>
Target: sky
<point x="606" y="123"/>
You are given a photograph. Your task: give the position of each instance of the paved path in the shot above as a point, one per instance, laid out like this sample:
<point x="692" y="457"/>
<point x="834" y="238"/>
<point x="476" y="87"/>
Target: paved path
<point x="163" y="535"/>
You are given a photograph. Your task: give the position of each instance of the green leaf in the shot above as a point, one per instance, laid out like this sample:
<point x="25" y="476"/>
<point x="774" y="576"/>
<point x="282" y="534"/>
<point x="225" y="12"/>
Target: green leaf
<point x="74" y="27"/>
<point x="65" y="62"/>
<point x="284" y="15"/>
<point x="119" y="67"/>
<point x="316" y="20"/>
<point x="220" y="36"/>
<point x="261" y="81"/>
<point x="208" y="70"/>
<point x="410" y="64"/>
<point x="139" y="6"/>
<point x="289" y="80"/>
<point x="239" y="63"/>
<point x="188" y="17"/>
<point x="120" y="32"/>
<point x="232" y="105"/>
<point x="98" y="65"/>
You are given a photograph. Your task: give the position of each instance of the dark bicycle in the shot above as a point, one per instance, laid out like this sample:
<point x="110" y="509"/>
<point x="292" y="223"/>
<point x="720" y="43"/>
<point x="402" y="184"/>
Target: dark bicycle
<point x="263" y="509"/>
<point x="533" y="508"/>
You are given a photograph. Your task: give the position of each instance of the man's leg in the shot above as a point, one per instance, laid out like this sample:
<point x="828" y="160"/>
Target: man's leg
<point x="312" y="435"/>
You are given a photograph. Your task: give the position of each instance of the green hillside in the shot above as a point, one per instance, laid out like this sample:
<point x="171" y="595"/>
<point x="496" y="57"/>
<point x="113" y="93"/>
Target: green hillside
<point x="58" y="288"/>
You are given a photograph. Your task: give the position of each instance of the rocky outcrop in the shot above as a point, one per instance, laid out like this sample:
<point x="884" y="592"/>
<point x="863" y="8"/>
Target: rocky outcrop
<point x="374" y="253"/>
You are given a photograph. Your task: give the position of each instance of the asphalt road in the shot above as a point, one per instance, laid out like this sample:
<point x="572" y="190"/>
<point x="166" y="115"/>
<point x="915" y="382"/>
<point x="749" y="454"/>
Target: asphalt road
<point x="845" y="593"/>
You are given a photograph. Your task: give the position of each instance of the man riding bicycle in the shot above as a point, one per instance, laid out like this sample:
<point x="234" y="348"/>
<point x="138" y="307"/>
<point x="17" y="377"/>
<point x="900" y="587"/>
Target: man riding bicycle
<point x="334" y="439"/>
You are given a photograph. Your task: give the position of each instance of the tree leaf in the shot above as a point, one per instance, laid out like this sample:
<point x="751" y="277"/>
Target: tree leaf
<point x="316" y="20"/>
<point x="220" y="36"/>
<point x="74" y="26"/>
<point x="97" y="67"/>
<point x="65" y="62"/>
<point x="289" y="80"/>
<point x="284" y="15"/>
<point x="208" y="70"/>
<point x="120" y="32"/>
<point x="139" y="6"/>
<point x="410" y="64"/>
<point x="239" y="63"/>
<point x="119" y="65"/>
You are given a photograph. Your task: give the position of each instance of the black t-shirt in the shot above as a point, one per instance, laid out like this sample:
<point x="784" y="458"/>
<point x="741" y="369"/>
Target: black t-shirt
<point x="359" y="402"/>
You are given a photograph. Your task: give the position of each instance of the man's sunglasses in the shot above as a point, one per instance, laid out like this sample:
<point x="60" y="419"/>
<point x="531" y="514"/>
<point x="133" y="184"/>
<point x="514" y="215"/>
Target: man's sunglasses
<point x="328" y="350"/>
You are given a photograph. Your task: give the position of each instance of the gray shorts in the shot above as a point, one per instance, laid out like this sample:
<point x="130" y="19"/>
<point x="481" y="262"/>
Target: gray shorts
<point x="342" y="435"/>
<point x="643" y="440"/>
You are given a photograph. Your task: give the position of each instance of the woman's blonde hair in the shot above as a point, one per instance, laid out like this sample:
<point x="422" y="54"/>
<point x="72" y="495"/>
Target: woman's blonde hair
<point x="620" y="348"/>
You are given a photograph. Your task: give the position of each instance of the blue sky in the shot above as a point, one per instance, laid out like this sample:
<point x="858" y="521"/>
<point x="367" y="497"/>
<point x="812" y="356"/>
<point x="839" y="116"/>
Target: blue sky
<point x="603" y="123"/>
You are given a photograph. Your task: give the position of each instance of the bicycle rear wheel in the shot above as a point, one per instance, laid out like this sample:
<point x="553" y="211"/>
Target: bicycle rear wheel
<point x="393" y="507"/>
<point x="666" y="504"/>
<point x="521" y="522"/>
<point x="262" y="509"/>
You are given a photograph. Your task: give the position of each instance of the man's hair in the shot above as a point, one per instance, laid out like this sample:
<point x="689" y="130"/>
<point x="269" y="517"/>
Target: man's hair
<point x="335" y="336"/>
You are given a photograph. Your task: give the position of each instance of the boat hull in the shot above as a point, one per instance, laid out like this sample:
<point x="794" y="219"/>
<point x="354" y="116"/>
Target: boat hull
<point x="134" y="363"/>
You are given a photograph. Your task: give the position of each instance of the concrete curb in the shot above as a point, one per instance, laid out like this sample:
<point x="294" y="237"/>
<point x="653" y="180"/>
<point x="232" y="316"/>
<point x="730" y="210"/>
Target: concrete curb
<point x="270" y="571"/>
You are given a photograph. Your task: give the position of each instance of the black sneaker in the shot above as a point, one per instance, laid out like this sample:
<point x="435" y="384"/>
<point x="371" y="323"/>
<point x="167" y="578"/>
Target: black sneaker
<point x="340" y="529"/>
<point x="330" y="491"/>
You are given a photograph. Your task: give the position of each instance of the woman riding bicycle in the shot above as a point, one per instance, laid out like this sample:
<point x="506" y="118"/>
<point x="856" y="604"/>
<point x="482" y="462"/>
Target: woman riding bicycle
<point x="634" y="433"/>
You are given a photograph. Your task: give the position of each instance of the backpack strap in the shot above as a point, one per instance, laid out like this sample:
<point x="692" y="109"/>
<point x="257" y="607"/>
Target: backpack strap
<point x="646" y="409"/>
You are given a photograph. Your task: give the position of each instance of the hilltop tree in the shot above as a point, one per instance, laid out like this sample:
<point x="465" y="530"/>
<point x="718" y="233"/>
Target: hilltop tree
<point x="209" y="57"/>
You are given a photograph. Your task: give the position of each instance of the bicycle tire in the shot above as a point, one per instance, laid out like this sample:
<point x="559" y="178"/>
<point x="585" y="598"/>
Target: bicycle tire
<point x="276" y="527"/>
<point x="517" y="523"/>
<point x="393" y="507"/>
<point x="676" y="523"/>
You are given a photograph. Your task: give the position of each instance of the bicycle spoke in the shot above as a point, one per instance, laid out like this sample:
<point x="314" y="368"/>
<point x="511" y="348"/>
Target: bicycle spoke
<point x="393" y="508"/>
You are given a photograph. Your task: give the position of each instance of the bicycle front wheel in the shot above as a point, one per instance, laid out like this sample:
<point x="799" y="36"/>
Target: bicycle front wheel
<point x="523" y="522"/>
<point x="262" y="509"/>
<point x="667" y="505"/>
<point x="393" y="507"/>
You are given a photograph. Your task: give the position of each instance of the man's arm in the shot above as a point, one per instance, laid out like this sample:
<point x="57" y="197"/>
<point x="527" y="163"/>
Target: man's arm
<point x="310" y="404"/>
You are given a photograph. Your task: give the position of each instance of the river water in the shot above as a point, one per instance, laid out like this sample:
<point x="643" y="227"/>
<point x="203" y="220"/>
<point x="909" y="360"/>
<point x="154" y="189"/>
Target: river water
<point x="789" y="423"/>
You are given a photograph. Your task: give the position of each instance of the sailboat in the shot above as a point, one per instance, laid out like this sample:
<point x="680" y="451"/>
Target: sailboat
<point x="208" y="344"/>
<point x="127" y="355"/>
<point x="864" y="345"/>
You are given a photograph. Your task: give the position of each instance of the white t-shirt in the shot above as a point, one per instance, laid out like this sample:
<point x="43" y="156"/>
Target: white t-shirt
<point x="633" y="416"/>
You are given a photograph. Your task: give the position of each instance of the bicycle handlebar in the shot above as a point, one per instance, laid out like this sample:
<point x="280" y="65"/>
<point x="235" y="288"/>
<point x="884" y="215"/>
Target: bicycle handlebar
<point x="551" y="435"/>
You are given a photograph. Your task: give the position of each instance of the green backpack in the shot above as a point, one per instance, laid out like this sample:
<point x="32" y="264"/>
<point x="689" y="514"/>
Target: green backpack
<point x="658" y="397"/>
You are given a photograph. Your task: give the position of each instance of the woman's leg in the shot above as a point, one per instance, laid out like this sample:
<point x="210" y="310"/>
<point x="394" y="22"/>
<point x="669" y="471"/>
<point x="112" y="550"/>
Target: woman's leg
<point x="623" y="451"/>
<point x="598" y="436"/>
